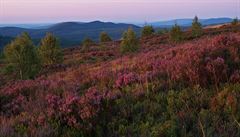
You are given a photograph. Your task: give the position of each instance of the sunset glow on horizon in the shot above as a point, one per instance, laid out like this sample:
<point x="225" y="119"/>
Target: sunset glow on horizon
<point x="34" y="11"/>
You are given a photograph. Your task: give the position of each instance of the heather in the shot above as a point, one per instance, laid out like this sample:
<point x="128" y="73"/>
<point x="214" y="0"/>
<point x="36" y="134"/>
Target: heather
<point x="165" y="89"/>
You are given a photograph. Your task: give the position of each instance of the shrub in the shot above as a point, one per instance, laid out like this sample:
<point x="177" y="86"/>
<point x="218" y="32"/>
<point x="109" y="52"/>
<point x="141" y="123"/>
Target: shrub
<point x="129" y="42"/>
<point x="50" y="52"/>
<point x="162" y="31"/>
<point x="104" y="37"/>
<point x="22" y="55"/>
<point x="125" y="79"/>
<point x="176" y="34"/>
<point x="147" y="31"/>
<point x="196" y="28"/>
<point x="87" y="42"/>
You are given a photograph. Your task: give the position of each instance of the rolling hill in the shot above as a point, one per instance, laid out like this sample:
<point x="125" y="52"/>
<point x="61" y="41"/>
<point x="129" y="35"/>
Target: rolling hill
<point x="72" y="33"/>
<point x="188" y="22"/>
<point x="164" y="89"/>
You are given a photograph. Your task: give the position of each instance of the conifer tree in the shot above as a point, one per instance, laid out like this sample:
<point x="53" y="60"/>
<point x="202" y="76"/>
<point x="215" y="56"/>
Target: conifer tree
<point x="147" y="31"/>
<point x="235" y="21"/>
<point x="87" y="42"/>
<point x="176" y="34"/>
<point x="104" y="37"/>
<point x="196" y="27"/>
<point x="50" y="51"/>
<point x="129" y="42"/>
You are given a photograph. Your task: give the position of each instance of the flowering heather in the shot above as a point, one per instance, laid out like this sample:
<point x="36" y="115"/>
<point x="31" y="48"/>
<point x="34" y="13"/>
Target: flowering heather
<point x="163" y="90"/>
<point x="125" y="79"/>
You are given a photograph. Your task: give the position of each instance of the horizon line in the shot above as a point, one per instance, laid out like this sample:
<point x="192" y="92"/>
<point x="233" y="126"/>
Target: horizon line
<point x="105" y="21"/>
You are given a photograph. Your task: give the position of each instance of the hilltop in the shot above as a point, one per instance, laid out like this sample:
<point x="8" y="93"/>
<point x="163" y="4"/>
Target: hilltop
<point x="190" y="88"/>
<point x="72" y="33"/>
<point x="188" y="22"/>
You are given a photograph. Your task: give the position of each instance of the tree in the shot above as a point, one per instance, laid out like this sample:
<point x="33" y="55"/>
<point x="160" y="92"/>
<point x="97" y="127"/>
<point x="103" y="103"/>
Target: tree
<point x="235" y="21"/>
<point x="1" y="55"/>
<point x="129" y="42"/>
<point x="22" y="55"/>
<point x="50" y="51"/>
<point x="87" y="42"/>
<point x="176" y="34"/>
<point x="196" y="27"/>
<point x="147" y="31"/>
<point x="1" y="59"/>
<point x="104" y="37"/>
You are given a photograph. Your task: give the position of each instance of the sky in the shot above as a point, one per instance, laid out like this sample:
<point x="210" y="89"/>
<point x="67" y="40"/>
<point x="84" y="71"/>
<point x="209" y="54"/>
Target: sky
<point x="42" y="11"/>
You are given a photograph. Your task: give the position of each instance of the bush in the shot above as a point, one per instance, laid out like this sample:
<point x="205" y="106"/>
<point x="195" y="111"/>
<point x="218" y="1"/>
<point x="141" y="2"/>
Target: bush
<point x="104" y="37"/>
<point x="50" y="52"/>
<point x="176" y="34"/>
<point x="87" y="42"/>
<point x="196" y="28"/>
<point x="22" y="55"/>
<point x="147" y="31"/>
<point x="129" y="42"/>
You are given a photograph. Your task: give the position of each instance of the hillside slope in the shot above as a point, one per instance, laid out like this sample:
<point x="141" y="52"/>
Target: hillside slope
<point x="165" y="89"/>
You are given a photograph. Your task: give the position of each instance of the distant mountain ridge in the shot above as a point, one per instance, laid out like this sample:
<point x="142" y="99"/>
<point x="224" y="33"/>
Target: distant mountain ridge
<point x="188" y="22"/>
<point x="72" y="33"/>
<point x="28" y="26"/>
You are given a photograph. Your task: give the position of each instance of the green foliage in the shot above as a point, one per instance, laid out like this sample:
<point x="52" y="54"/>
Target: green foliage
<point x="1" y="57"/>
<point x="50" y="51"/>
<point x="196" y="28"/>
<point x="162" y="31"/>
<point x="130" y="42"/>
<point x="21" y="129"/>
<point x="87" y="42"/>
<point x="9" y="69"/>
<point x="104" y="37"/>
<point x="176" y="34"/>
<point x="22" y="55"/>
<point x="147" y="31"/>
<point x="175" y="113"/>
<point x="235" y="21"/>
<point x="70" y="132"/>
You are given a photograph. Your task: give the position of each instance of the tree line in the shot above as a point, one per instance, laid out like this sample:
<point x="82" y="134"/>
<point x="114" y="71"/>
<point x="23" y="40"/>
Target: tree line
<point x="24" y="58"/>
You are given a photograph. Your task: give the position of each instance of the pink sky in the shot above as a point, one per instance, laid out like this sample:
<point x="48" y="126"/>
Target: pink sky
<point x="33" y="11"/>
